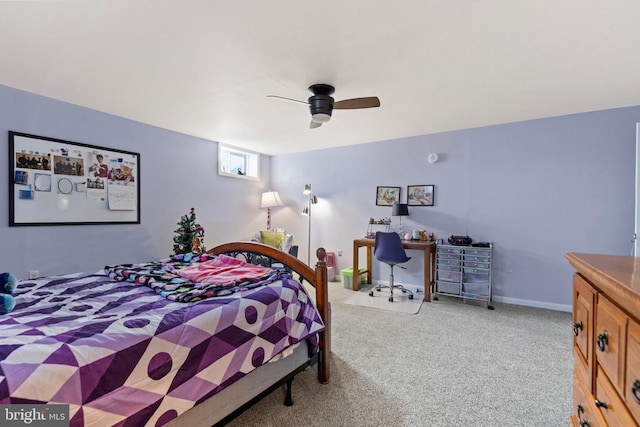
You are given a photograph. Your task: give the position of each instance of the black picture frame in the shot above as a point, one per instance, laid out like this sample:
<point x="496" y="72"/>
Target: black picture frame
<point x="387" y="196"/>
<point x="421" y="195"/>
<point x="58" y="182"/>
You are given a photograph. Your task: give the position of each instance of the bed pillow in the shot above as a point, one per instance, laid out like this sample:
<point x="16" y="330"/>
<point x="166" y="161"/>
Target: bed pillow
<point x="272" y="238"/>
<point x="287" y="243"/>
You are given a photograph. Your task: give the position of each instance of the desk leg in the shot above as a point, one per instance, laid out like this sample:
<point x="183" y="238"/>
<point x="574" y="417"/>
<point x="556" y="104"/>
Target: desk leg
<point x="355" y="280"/>
<point x="427" y="274"/>
<point x="369" y="264"/>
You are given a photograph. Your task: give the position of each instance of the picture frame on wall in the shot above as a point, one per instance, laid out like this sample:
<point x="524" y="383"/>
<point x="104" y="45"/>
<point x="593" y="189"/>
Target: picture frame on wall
<point x="60" y="182"/>
<point x="420" y="195"/>
<point x="387" y="196"/>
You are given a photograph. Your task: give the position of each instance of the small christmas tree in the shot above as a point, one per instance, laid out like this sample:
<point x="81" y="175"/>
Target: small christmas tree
<point x="189" y="235"/>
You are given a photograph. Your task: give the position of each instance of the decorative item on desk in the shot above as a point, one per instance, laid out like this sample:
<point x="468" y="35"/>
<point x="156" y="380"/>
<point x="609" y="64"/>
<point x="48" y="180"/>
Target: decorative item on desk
<point x="416" y="235"/>
<point x="460" y="240"/>
<point x="400" y="209"/>
<point x="383" y="221"/>
<point x="423" y="235"/>
<point x="371" y="230"/>
<point x="408" y="236"/>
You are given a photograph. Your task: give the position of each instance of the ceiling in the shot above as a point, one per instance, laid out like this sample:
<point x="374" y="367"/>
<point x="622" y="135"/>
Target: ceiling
<point x="205" y="68"/>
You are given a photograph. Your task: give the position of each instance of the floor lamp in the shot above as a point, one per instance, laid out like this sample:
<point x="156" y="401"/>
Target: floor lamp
<point x="270" y="199"/>
<point x="307" y="211"/>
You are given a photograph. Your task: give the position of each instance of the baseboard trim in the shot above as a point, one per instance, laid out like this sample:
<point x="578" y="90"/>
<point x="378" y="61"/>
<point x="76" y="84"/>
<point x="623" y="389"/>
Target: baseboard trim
<point x="503" y="300"/>
<point x="530" y="303"/>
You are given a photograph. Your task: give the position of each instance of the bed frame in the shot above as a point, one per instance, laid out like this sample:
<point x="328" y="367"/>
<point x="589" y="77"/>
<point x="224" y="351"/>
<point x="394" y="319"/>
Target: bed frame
<point x="233" y="400"/>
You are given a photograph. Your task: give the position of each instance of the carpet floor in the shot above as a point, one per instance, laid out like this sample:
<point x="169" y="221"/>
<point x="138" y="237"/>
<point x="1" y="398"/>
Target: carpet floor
<point x="451" y="364"/>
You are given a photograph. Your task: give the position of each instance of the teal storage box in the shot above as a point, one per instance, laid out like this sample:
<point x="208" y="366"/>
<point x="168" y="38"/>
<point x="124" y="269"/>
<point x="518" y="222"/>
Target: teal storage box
<point x="347" y="277"/>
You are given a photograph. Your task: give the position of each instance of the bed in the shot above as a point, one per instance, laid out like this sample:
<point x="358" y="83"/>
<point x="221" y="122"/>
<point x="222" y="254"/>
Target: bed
<point x="122" y="347"/>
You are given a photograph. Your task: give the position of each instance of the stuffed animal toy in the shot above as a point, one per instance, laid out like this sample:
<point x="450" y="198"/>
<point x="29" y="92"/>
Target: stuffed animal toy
<point x="7" y="285"/>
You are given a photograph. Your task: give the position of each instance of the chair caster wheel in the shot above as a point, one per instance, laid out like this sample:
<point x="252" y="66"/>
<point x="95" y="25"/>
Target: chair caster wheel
<point x="404" y="291"/>
<point x="378" y="289"/>
<point x="410" y="296"/>
<point x="370" y="293"/>
<point x="390" y="299"/>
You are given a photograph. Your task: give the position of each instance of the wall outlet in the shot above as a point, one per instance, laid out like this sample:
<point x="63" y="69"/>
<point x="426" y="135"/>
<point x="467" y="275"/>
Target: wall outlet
<point x="34" y="274"/>
<point x="339" y="252"/>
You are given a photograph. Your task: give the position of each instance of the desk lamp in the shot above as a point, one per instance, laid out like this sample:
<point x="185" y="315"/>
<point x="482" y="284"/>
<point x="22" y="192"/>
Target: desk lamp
<point x="400" y="209"/>
<point x="270" y="199"/>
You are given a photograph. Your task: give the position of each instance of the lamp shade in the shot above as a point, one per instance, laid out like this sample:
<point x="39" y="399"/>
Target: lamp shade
<point x="305" y="210"/>
<point x="270" y="199"/>
<point x="400" y="209"/>
<point x="307" y="189"/>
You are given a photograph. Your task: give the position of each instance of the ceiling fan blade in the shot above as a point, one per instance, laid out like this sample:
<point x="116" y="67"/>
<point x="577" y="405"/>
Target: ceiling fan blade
<point x="353" y="103"/>
<point x="288" y="99"/>
<point x="314" y="125"/>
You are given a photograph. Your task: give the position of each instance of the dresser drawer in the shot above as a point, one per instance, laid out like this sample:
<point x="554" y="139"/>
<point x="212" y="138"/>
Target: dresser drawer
<point x="476" y="264"/>
<point x="632" y="388"/>
<point x="609" y="404"/>
<point x="584" y="409"/>
<point x="476" y="258"/>
<point x="449" y="262"/>
<point x="610" y="340"/>
<point x="584" y="300"/>
<point x="469" y="270"/>
<point x="449" y="276"/>
<point x="480" y="252"/>
<point x="448" y="256"/>
<point x="448" y="287"/>
<point x="442" y="250"/>
<point x="447" y="267"/>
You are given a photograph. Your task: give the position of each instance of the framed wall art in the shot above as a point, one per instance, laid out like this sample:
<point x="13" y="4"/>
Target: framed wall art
<point x="58" y="182"/>
<point x="420" y="195"/>
<point x="387" y="196"/>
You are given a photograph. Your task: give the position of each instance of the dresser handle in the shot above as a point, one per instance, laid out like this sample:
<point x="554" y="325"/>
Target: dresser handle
<point x="580" y="410"/>
<point x="603" y="340"/>
<point x="635" y="390"/>
<point x="600" y="404"/>
<point x="577" y="327"/>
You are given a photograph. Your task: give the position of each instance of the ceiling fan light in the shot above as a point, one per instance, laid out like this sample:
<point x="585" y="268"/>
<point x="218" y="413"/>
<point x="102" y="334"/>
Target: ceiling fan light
<point x="320" y="117"/>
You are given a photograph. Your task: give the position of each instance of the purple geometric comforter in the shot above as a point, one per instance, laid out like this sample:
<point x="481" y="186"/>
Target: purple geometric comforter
<point x="119" y="354"/>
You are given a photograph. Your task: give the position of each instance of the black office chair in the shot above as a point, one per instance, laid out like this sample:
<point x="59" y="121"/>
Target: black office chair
<point x="388" y="248"/>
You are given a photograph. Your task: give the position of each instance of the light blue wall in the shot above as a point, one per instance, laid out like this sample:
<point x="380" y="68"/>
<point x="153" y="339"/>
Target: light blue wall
<point x="537" y="189"/>
<point x="177" y="172"/>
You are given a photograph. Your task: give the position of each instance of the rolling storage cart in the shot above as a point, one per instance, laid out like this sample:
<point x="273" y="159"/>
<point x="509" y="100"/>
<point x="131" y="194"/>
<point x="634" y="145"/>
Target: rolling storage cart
<point x="464" y="272"/>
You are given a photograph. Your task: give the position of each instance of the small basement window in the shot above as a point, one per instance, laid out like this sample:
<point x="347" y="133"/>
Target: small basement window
<point x="238" y="163"/>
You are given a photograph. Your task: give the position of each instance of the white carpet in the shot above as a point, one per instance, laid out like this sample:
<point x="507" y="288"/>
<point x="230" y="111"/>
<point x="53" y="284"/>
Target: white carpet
<point x="452" y="364"/>
<point x="401" y="302"/>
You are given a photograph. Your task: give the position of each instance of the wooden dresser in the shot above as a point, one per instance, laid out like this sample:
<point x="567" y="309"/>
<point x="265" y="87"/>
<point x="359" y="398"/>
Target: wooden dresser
<point x="606" y="328"/>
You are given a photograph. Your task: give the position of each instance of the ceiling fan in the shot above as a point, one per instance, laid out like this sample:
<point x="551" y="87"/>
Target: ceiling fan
<point x="321" y="103"/>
